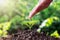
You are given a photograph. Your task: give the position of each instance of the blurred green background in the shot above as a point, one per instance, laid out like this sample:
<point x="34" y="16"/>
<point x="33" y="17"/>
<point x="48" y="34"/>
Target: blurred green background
<point x="14" y="14"/>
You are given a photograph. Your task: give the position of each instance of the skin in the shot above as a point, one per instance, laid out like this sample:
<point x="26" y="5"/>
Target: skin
<point x="39" y="7"/>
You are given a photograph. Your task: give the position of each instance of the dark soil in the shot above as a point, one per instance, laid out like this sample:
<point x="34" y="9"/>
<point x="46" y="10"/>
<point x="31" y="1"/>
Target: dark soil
<point x="29" y="35"/>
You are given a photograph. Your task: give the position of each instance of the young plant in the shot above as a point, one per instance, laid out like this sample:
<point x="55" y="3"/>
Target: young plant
<point x="3" y="28"/>
<point x="30" y="24"/>
<point x="55" y="34"/>
<point x="49" y="25"/>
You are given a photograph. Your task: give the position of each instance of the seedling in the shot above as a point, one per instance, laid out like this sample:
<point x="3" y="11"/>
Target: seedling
<point x="3" y="28"/>
<point x="30" y="23"/>
<point x="49" y="26"/>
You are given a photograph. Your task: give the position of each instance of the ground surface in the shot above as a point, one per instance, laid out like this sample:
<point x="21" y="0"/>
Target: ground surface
<point x="29" y="35"/>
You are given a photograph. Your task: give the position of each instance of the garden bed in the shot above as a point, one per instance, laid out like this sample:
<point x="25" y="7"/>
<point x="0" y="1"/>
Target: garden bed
<point x="29" y="35"/>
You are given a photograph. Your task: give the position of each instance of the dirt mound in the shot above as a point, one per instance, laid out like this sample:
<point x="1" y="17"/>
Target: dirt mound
<point x="29" y="35"/>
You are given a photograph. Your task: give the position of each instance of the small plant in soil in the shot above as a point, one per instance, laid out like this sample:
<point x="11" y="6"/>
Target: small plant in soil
<point x="30" y="24"/>
<point x="50" y="26"/>
<point x="3" y="29"/>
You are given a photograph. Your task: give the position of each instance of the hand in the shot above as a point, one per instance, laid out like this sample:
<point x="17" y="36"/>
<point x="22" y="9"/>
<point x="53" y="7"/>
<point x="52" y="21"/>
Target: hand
<point x="39" y="7"/>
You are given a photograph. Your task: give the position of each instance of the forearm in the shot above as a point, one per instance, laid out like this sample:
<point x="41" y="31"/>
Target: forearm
<point x="39" y="7"/>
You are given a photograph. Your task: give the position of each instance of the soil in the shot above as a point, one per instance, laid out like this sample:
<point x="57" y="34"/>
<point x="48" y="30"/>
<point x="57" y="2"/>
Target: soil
<point x="29" y="35"/>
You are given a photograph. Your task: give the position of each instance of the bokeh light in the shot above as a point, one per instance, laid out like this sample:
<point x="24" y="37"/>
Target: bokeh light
<point x="7" y="6"/>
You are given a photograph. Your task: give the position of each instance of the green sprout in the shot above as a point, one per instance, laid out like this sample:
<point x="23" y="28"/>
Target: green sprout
<point x="55" y="34"/>
<point x="3" y="28"/>
<point x="48" y="22"/>
<point x="49" y="26"/>
<point x="30" y="24"/>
